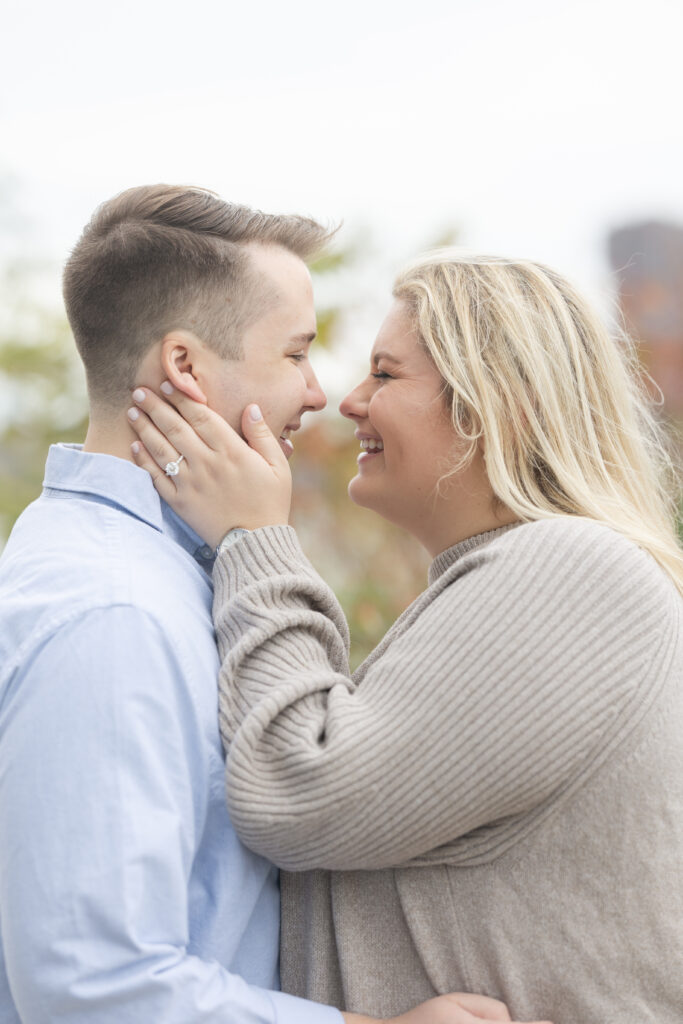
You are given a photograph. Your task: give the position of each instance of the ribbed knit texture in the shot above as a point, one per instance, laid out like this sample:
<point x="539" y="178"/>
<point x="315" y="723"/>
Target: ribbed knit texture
<point x="496" y="794"/>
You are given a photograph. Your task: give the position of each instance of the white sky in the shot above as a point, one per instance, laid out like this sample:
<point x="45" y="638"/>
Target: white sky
<point x="533" y="126"/>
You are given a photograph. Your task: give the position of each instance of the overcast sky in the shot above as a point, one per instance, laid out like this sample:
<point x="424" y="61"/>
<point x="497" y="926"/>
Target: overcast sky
<point x="532" y="126"/>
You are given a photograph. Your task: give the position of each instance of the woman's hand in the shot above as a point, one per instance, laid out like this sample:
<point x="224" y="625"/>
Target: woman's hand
<point x="220" y="481"/>
<point x="456" y="1008"/>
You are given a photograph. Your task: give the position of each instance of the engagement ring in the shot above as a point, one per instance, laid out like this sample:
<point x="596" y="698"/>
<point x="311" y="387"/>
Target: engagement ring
<point x="173" y="468"/>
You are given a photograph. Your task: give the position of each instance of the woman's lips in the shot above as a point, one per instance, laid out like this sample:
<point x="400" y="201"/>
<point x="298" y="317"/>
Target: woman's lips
<point x="371" y="447"/>
<point x="369" y="455"/>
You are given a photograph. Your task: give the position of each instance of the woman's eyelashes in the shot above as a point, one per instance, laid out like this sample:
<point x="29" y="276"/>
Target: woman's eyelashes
<point x="381" y="375"/>
<point x="298" y="357"/>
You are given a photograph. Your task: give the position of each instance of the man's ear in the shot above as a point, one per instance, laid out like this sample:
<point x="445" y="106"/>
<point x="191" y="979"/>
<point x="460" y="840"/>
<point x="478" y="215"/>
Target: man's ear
<point x="180" y="352"/>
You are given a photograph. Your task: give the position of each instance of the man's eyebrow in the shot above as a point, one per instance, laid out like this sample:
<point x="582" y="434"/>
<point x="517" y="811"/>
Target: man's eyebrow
<point x="303" y="339"/>
<point x="384" y="355"/>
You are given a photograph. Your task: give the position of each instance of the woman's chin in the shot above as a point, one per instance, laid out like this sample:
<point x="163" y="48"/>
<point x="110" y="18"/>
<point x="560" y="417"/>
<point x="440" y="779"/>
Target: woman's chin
<point x="362" y="493"/>
<point x="358" y="492"/>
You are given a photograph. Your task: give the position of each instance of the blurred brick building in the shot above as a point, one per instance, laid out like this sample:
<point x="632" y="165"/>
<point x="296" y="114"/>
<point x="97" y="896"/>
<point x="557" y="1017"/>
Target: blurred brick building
<point x="647" y="259"/>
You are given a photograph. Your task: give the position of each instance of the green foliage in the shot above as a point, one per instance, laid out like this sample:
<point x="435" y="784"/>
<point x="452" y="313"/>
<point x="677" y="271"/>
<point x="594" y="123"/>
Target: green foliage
<point x="41" y="383"/>
<point x="328" y="322"/>
<point x="333" y="259"/>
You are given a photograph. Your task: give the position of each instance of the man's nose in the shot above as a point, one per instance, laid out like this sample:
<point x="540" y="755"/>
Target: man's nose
<point x="316" y="399"/>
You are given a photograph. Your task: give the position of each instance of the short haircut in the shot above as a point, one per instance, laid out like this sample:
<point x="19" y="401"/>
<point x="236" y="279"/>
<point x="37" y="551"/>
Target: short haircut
<point x="163" y="257"/>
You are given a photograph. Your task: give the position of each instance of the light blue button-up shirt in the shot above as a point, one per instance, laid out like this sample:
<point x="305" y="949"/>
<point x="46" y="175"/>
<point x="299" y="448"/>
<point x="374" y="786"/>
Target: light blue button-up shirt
<point x="125" y="895"/>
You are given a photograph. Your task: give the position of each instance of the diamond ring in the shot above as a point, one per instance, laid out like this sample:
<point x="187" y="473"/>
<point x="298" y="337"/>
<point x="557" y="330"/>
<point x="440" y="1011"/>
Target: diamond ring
<point x="173" y="468"/>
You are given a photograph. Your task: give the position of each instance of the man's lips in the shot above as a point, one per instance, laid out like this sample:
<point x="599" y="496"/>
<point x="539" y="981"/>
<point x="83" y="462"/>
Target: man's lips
<point x="286" y="446"/>
<point x="284" y="439"/>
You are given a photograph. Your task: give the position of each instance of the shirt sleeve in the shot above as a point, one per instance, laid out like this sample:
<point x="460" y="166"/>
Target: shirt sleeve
<point x="100" y="812"/>
<point x="495" y="690"/>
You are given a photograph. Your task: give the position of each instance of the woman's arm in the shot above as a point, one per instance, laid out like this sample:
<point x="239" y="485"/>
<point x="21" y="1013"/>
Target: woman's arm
<point x="493" y="691"/>
<point x="483" y="700"/>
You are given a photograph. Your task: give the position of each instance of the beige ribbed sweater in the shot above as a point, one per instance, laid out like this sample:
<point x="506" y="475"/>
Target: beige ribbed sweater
<point x="496" y="796"/>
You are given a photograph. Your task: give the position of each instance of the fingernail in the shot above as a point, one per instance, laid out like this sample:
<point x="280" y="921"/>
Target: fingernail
<point x="135" y="447"/>
<point x="139" y="395"/>
<point x="133" y="414"/>
<point x="255" y="414"/>
<point x="167" y="388"/>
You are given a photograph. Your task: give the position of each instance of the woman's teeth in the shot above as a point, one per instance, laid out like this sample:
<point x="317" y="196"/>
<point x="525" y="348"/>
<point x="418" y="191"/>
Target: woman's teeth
<point x="372" y="445"/>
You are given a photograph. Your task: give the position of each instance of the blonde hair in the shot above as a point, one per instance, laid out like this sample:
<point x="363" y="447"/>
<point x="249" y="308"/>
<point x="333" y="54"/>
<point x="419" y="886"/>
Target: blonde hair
<point x="555" y="401"/>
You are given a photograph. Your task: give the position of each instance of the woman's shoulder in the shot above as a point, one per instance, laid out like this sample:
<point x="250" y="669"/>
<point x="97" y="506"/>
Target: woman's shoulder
<point x="567" y="555"/>
<point x="577" y="539"/>
<point x="571" y="589"/>
<point x="559" y="530"/>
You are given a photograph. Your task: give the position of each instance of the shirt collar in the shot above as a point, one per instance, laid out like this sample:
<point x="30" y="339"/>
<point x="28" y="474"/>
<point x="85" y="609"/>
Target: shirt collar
<point x="121" y="483"/>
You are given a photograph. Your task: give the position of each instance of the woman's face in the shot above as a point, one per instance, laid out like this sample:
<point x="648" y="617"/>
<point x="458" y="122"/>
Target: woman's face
<point x="409" y="444"/>
<point x="406" y="436"/>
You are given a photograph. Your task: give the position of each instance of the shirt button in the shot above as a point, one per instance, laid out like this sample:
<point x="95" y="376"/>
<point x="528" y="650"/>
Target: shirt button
<point x="205" y="552"/>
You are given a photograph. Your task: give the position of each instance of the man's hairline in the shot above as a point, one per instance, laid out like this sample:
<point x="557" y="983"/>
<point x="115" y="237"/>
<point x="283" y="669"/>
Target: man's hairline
<point x="249" y="246"/>
<point x="257" y="274"/>
<point x="271" y="295"/>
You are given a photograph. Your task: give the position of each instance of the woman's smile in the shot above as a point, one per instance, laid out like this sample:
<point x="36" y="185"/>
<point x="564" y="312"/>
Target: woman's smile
<point x="371" y="447"/>
<point x="399" y="404"/>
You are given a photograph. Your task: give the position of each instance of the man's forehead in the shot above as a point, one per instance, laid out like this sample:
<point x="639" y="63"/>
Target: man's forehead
<point x="276" y="259"/>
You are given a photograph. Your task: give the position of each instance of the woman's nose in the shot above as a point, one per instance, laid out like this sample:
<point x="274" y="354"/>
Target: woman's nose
<point x="355" y="404"/>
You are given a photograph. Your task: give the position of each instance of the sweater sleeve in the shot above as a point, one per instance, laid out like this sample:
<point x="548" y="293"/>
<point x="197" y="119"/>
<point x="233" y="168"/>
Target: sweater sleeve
<point x="490" y="694"/>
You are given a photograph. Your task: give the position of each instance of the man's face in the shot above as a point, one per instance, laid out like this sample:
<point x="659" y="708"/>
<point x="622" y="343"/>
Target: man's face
<point x="274" y="370"/>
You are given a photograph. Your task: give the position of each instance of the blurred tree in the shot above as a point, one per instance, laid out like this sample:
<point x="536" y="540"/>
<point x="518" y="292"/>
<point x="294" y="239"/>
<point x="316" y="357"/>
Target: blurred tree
<point x="647" y="259"/>
<point x="42" y="391"/>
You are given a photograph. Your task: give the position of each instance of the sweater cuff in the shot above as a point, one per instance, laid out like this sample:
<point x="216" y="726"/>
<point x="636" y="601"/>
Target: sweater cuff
<point x="260" y="554"/>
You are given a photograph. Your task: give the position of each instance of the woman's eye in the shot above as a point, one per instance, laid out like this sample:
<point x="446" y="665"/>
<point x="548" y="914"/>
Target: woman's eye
<point x="298" y="357"/>
<point x="381" y="375"/>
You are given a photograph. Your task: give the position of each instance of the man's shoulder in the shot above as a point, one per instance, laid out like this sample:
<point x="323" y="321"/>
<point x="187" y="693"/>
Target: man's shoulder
<point x="68" y="556"/>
